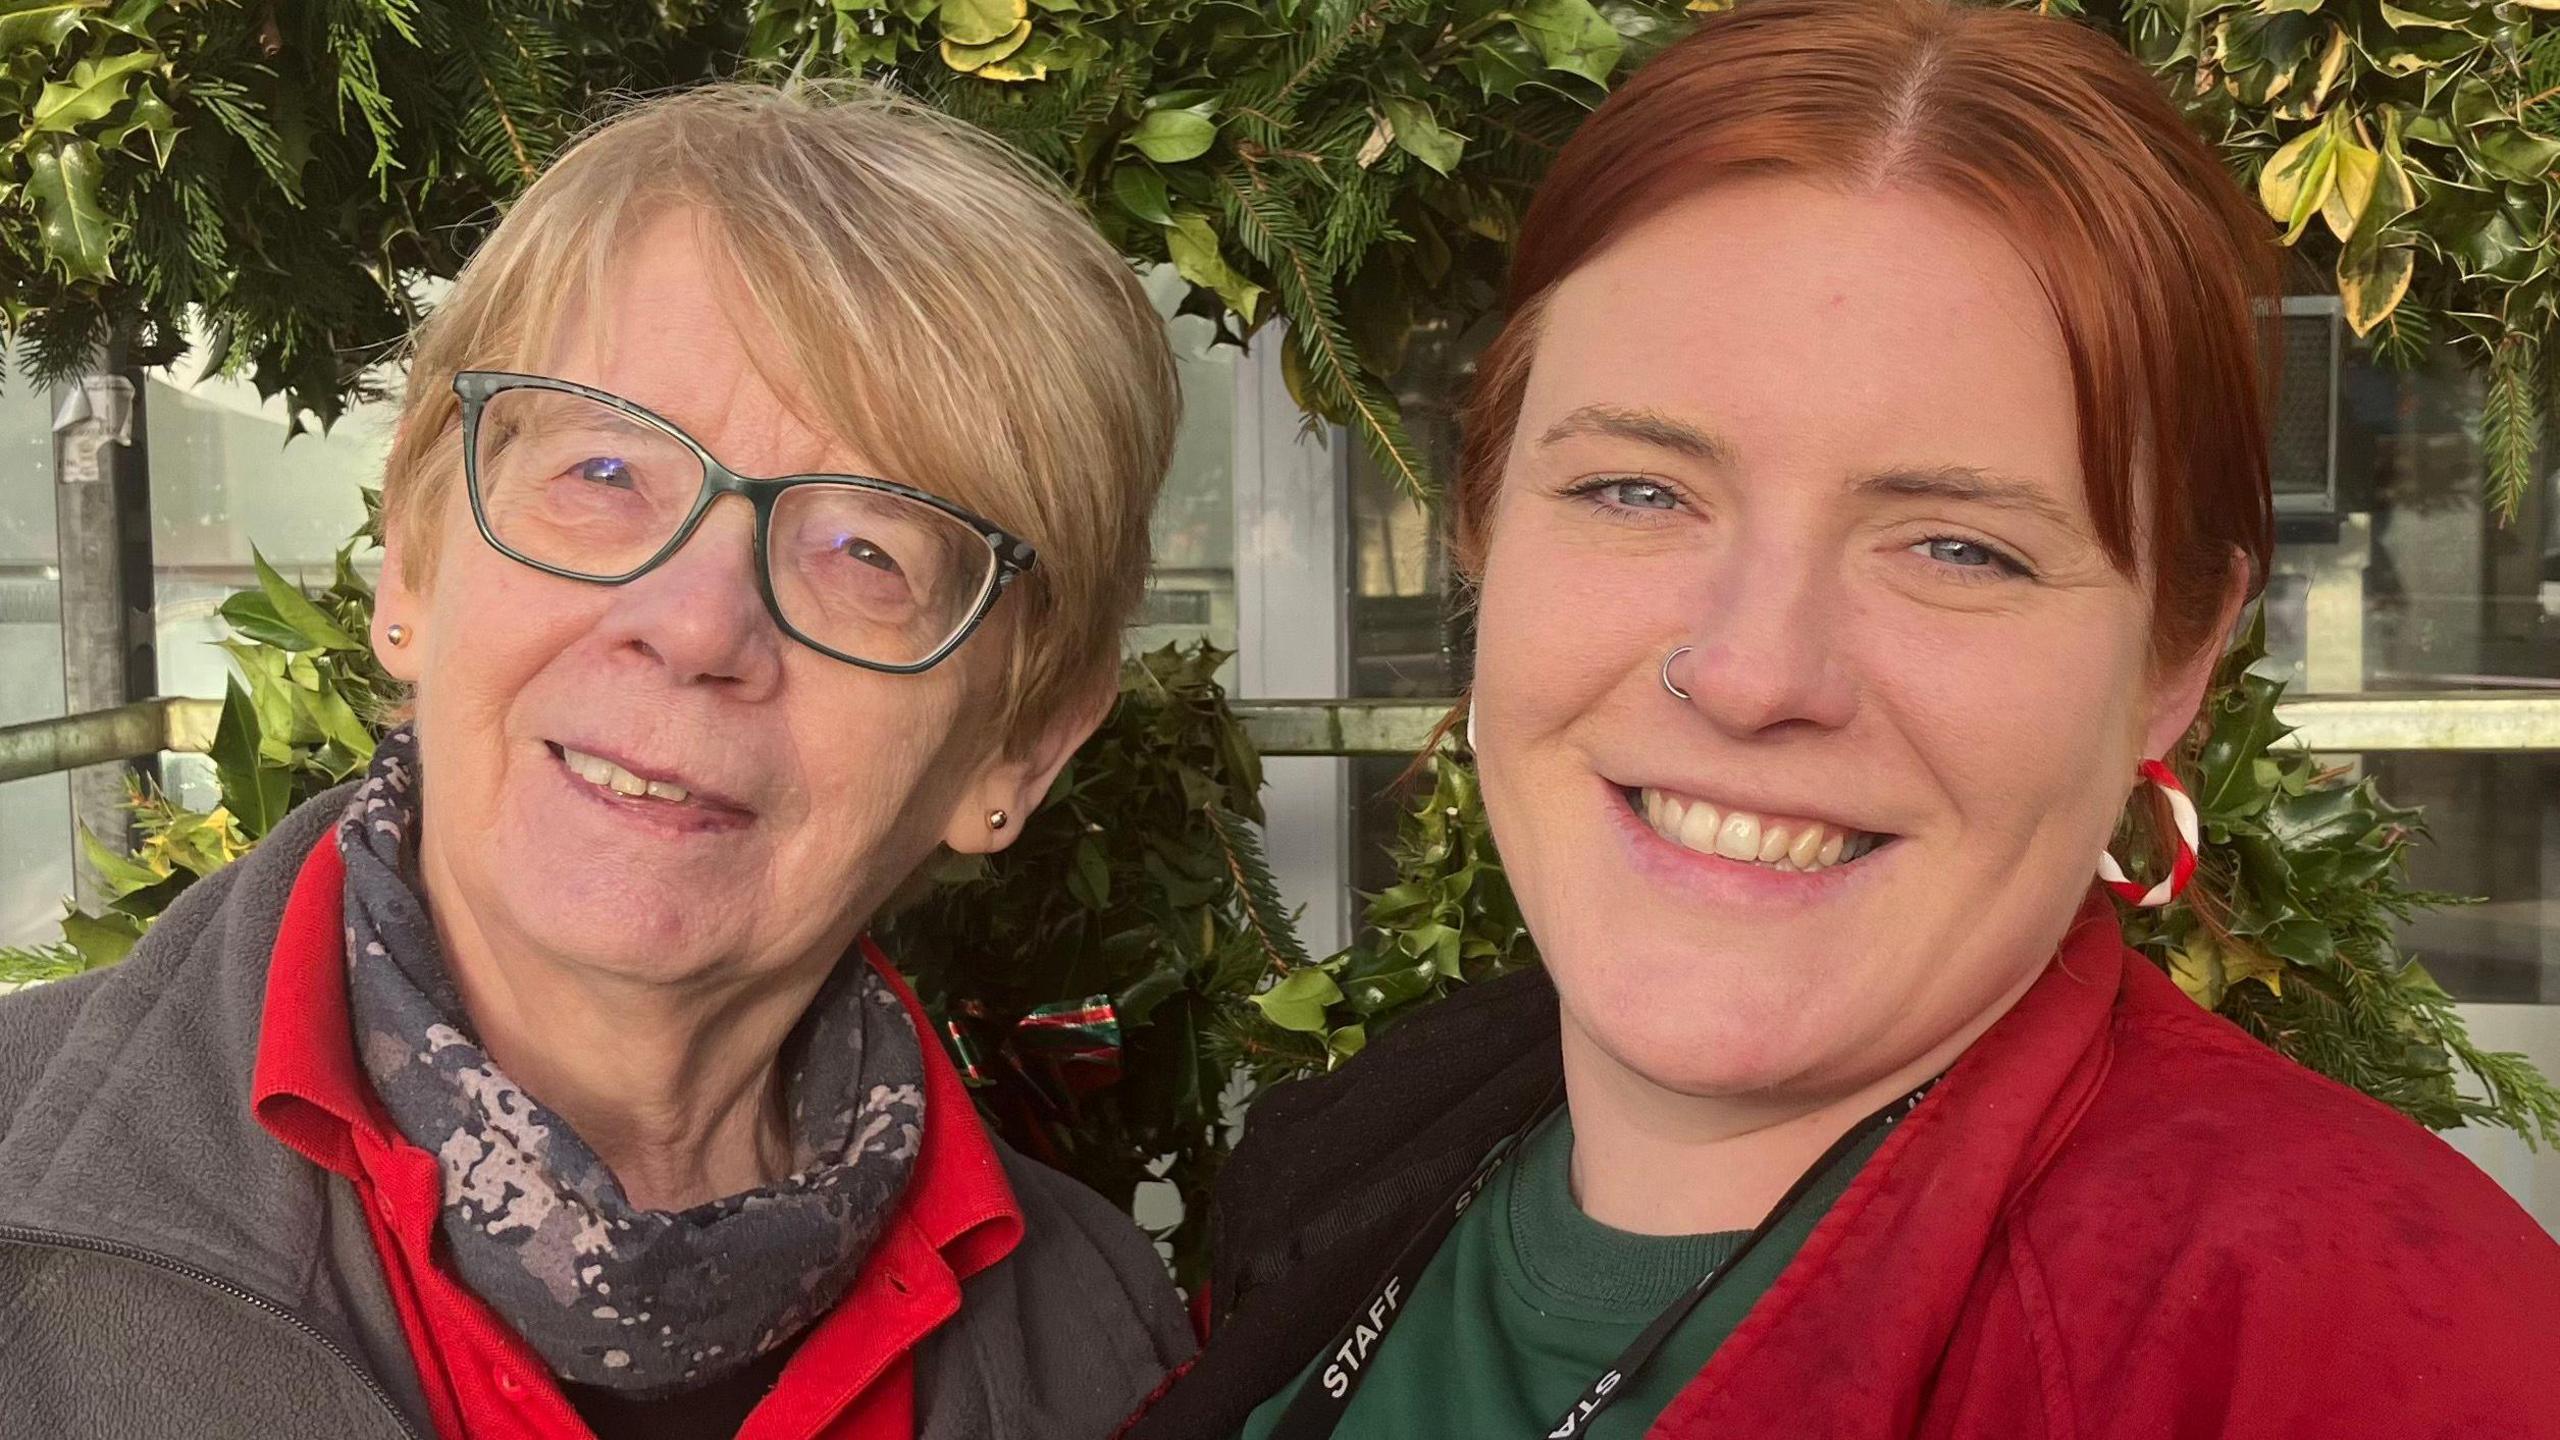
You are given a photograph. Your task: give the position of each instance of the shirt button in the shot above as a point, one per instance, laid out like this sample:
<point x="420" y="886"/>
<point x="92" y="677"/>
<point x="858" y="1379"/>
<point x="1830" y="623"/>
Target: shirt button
<point x="508" y="1384"/>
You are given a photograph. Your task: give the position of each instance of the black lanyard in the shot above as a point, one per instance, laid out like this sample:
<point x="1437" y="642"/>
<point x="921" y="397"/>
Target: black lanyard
<point x="1322" y="1397"/>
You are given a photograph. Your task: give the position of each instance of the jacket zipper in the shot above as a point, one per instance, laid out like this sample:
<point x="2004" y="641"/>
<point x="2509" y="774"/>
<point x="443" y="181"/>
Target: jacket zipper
<point x="15" y="1234"/>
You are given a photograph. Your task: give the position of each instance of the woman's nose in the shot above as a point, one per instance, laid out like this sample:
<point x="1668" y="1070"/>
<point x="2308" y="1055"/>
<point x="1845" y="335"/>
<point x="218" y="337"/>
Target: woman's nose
<point x="1763" y="648"/>
<point x="702" y="614"/>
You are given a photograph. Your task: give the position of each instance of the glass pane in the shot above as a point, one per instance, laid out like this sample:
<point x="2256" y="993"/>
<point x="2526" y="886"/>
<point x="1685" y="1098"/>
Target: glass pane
<point x="224" y="477"/>
<point x="1191" y="595"/>
<point x="2392" y="574"/>
<point x="35" y="815"/>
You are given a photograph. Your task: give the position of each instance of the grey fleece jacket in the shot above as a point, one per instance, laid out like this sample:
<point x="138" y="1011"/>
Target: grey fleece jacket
<point x="167" y="1268"/>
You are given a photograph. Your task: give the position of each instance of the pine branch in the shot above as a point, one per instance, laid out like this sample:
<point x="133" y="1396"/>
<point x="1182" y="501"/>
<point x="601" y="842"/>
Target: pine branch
<point x="2511" y="423"/>
<point x="1272" y="922"/>
<point x="1276" y="237"/>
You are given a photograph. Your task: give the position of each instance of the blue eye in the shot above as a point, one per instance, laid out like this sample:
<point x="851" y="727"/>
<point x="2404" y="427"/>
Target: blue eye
<point x="1958" y="552"/>
<point x="1641" y="495"/>
<point x="1626" y="492"/>
<point x="1968" y="555"/>
<point x="605" y="470"/>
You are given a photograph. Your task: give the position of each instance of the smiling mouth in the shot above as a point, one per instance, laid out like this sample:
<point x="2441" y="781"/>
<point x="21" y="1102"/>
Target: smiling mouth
<point x="612" y="778"/>
<point x="1786" y="844"/>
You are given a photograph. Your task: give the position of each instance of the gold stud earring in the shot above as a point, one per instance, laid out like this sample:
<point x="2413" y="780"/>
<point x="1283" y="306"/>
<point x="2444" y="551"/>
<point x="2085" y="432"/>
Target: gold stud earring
<point x="397" y="634"/>
<point x="997" y="819"/>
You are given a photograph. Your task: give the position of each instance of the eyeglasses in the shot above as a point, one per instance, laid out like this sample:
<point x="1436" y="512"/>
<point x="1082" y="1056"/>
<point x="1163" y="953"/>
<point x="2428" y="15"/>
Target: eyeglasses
<point x="585" y="485"/>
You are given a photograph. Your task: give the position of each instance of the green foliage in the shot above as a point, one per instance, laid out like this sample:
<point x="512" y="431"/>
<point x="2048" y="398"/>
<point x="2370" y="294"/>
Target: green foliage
<point x="1351" y="166"/>
<point x="2422" y="137"/>
<point x="2288" y="928"/>
<point x="1140" y="882"/>
<point x="280" y="178"/>
<point x="1448" y="920"/>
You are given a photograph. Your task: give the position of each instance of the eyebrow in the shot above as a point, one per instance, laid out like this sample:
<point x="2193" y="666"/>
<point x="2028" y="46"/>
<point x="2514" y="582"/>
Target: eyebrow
<point x="1973" y="485"/>
<point x="1645" y="427"/>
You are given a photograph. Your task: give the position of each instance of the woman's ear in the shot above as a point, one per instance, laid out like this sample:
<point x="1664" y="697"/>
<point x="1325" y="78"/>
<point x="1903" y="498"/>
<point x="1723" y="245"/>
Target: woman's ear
<point x="399" y="609"/>
<point x="1017" y="779"/>
<point x="2180" y="692"/>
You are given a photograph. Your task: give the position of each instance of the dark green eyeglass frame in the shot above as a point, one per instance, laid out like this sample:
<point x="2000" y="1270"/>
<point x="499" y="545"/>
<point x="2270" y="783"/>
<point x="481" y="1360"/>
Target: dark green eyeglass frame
<point x="1013" y="555"/>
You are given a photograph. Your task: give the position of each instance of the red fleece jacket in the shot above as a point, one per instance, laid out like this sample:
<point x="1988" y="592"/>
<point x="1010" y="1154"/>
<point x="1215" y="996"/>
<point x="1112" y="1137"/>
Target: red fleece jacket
<point x="2119" y="1216"/>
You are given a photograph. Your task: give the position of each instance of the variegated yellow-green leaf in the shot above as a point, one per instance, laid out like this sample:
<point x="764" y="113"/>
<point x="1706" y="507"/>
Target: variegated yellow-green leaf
<point x="2197" y="967"/>
<point x="2296" y="180"/>
<point x="2357" y="167"/>
<point x="63" y="178"/>
<point x="979" y="22"/>
<point x="969" y="58"/>
<point x="96" y="86"/>
<point x="2305" y="103"/>
<point x="2371" y="281"/>
<point x="2245" y="961"/>
<point x="1194" y="248"/>
<point x="1014" y="71"/>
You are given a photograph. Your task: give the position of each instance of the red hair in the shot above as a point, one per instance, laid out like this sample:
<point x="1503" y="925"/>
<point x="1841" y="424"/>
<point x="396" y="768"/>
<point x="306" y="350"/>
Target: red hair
<point x="2161" y="273"/>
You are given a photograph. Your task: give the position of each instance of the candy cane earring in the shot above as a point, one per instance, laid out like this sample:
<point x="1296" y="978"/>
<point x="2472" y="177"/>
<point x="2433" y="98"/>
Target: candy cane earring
<point x="2182" y="867"/>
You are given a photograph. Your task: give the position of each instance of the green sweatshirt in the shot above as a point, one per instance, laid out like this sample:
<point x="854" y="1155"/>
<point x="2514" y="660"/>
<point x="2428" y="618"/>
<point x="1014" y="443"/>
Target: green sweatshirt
<point x="1529" y="1300"/>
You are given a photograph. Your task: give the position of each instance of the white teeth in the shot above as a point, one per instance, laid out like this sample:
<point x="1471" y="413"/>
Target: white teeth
<point x="1698" y="831"/>
<point x="598" y="771"/>
<point x="1789" y="846"/>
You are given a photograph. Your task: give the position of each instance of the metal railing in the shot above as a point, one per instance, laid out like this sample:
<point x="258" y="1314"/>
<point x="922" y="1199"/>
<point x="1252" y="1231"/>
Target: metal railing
<point x="2332" y="724"/>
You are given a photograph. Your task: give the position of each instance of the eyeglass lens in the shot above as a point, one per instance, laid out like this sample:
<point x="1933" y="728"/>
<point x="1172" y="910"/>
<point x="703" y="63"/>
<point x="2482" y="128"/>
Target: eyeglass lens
<point x="580" y="486"/>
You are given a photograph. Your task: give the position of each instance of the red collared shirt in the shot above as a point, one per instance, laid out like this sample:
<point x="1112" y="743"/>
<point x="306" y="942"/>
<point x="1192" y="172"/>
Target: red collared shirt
<point x="852" y="1377"/>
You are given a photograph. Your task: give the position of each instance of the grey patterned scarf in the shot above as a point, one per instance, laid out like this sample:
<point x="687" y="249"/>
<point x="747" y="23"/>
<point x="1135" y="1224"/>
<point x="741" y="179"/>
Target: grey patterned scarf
<point x="649" y="1303"/>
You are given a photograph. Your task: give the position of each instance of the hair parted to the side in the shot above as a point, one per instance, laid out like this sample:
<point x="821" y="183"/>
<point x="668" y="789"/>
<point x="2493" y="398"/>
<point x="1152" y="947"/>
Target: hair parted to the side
<point x="2161" y="273"/>
<point x="935" y="299"/>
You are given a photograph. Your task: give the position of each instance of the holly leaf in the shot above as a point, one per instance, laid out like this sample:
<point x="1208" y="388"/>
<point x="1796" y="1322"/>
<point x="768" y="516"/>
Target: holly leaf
<point x="1298" y="1001"/>
<point x="1571" y="36"/>
<point x="96" y="86"/>
<point x="63" y="178"/>
<point x="42" y="26"/>
<point x="1419" y="135"/>
<point x="101" y="939"/>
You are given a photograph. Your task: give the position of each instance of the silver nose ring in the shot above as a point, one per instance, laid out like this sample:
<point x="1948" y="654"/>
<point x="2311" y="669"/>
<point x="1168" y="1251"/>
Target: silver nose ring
<point x="1676" y="692"/>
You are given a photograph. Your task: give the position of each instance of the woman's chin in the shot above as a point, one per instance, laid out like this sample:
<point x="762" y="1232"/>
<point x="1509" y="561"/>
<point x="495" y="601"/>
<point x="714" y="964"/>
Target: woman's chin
<point x="1725" y="1040"/>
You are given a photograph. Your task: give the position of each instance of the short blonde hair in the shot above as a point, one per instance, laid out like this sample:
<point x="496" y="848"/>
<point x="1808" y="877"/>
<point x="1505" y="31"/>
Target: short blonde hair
<point x="940" y="302"/>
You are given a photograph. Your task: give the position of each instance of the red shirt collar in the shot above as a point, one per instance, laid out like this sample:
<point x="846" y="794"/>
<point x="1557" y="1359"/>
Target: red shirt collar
<point x="310" y="1093"/>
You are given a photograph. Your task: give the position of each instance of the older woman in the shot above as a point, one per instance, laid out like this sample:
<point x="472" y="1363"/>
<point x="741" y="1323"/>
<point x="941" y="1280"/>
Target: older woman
<point x="1861" y="490"/>
<point x="768" y="498"/>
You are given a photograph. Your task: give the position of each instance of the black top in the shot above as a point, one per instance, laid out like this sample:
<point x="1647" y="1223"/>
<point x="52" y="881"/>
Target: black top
<point x="713" y="1412"/>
